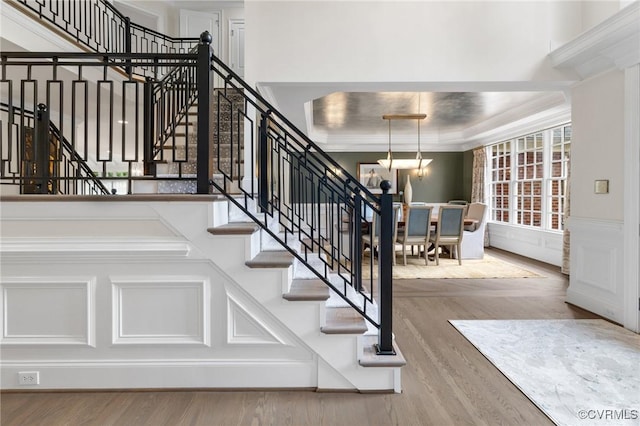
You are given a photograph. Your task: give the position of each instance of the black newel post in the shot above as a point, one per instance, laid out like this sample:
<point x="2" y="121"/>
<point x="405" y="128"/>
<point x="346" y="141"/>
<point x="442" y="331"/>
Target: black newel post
<point x="147" y="130"/>
<point x="263" y="161"/>
<point x="385" y="271"/>
<point x="42" y="148"/>
<point x="204" y="82"/>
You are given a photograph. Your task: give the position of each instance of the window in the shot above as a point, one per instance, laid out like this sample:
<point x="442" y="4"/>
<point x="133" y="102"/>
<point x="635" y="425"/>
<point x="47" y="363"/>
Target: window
<point x="530" y="166"/>
<point x="500" y="181"/>
<point x="556" y="189"/>
<point x="528" y="178"/>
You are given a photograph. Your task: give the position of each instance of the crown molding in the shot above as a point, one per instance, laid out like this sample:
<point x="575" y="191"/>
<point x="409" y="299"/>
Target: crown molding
<point x="546" y="110"/>
<point x="614" y="43"/>
<point x="543" y="120"/>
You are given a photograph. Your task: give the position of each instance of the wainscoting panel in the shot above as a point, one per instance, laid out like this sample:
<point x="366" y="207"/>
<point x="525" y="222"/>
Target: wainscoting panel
<point x="244" y="328"/>
<point x="596" y="267"/>
<point x="540" y="245"/>
<point x="143" y="311"/>
<point x="161" y="310"/>
<point x="45" y="311"/>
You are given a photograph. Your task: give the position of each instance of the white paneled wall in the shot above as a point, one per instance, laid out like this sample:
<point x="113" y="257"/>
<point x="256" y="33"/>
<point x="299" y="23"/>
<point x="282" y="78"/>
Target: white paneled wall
<point x="596" y="282"/>
<point x="540" y="245"/>
<point x="125" y="295"/>
<point x="44" y="311"/>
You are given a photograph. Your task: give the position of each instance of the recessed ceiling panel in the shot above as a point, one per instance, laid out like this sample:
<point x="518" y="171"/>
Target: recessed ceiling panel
<point x="361" y="112"/>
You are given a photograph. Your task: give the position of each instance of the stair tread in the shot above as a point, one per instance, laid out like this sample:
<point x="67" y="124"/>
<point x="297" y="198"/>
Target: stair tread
<point x="343" y="321"/>
<point x="307" y="290"/>
<point x="271" y="259"/>
<point x="236" y="228"/>
<point x="369" y="357"/>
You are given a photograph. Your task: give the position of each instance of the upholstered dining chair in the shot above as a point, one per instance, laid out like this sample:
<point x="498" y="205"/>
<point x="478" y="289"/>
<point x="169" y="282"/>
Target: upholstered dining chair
<point x="372" y="239"/>
<point x="449" y="230"/>
<point x="417" y="230"/>
<point x="473" y="236"/>
<point x="464" y="203"/>
<point x="475" y="212"/>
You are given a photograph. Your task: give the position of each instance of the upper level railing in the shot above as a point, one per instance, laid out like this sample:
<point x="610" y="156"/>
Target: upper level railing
<point x="107" y="117"/>
<point x="68" y="173"/>
<point x="171" y="99"/>
<point x="99" y="26"/>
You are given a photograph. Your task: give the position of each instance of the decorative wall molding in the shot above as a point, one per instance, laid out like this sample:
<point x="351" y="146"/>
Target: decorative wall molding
<point x="48" y="311"/>
<point x="596" y="281"/>
<point x="245" y="328"/>
<point x="614" y="43"/>
<point x="163" y="321"/>
<point x="544" y="246"/>
<point x="70" y="249"/>
<point x="161" y="310"/>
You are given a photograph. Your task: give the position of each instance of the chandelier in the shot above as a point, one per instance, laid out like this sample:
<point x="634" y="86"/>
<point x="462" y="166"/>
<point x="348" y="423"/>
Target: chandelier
<point x="418" y="163"/>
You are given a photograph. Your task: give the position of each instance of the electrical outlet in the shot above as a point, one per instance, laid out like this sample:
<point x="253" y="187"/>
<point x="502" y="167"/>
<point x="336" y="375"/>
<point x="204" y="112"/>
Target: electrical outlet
<point x="29" y="378"/>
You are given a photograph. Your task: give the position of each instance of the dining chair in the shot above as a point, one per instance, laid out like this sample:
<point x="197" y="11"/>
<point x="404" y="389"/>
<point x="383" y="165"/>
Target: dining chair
<point x="372" y="238"/>
<point x="417" y="230"/>
<point x="449" y="230"/>
<point x="475" y="212"/>
<point x="464" y="203"/>
<point x="472" y="246"/>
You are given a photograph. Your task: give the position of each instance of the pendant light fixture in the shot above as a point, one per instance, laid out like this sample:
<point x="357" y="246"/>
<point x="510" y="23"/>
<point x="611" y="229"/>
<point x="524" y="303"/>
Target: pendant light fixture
<point x="404" y="163"/>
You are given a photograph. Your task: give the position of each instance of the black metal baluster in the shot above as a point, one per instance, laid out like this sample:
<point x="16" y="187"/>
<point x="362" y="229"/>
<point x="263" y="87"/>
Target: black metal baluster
<point x="263" y="161"/>
<point x="355" y="233"/>
<point x="147" y="131"/>
<point x="41" y="149"/>
<point x="127" y="43"/>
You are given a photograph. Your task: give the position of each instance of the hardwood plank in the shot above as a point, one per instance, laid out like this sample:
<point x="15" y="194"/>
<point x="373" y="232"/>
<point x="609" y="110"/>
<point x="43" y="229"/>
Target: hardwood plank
<point x="446" y="380"/>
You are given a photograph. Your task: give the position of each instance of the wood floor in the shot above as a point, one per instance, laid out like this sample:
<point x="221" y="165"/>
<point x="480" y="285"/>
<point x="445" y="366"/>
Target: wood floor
<point x="446" y="380"/>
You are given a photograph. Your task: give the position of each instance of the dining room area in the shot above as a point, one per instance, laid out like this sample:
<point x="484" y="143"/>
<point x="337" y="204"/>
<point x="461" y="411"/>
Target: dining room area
<point x="433" y="208"/>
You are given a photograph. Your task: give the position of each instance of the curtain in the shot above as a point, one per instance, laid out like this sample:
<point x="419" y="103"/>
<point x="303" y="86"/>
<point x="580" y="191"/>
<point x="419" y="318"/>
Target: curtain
<point x="477" y="182"/>
<point x="566" y="252"/>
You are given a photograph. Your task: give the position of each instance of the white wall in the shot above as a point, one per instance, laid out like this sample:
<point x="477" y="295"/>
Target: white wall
<point x="169" y="14"/>
<point x="404" y="41"/>
<point x="597" y="220"/>
<point x="168" y="17"/>
<point x="597" y="150"/>
<point x="594" y="12"/>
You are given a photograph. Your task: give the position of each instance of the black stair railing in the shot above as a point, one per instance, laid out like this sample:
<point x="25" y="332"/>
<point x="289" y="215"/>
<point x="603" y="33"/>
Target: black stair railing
<point x="170" y="101"/>
<point x="46" y="162"/>
<point x="99" y="26"/>
<point x="277" y="176"/>
<point x="100" y="111"/>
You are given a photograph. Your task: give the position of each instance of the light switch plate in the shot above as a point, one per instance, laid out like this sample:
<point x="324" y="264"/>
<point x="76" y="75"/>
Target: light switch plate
<point x="602" y="186"/>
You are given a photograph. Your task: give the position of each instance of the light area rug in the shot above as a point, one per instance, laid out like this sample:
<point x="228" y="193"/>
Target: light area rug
<point x="578" y="372"/>
<point x="489" y="267"/>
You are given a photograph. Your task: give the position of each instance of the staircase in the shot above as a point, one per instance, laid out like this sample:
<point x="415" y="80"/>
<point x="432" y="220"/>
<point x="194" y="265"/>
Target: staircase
<point x="177" y="155"/>
<point x="291" y="280"/>
<point x="337" y="333"/>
